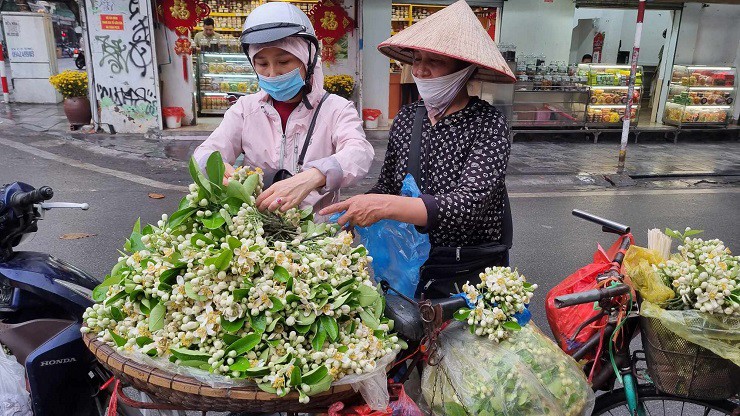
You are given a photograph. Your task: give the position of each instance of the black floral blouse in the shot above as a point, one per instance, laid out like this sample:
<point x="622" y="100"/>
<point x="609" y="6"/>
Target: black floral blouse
<point x="463" y="166"/>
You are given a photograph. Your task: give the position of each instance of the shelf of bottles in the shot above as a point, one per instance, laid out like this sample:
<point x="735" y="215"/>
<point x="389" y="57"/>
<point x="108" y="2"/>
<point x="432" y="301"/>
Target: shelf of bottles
<point x="228" y="15"/>
<point x="700" y="95"/>
<point x="220" y="72"/>
<point x="608" y="94"/>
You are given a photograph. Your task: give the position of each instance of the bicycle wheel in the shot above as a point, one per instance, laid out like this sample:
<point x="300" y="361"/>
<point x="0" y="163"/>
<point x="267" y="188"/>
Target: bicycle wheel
<point x="660" y="404"/>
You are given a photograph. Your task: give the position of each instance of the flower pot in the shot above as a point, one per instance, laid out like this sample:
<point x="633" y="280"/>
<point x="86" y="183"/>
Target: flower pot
<point x="173" y="122"/>
<point x="77" y="110"/>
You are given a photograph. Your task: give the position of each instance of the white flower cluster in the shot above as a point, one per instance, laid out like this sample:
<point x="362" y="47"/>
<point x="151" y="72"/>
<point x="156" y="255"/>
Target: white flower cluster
<point x="501" y="294"/>
<point x="222" y="287"/>
<point x="705" y="276"/>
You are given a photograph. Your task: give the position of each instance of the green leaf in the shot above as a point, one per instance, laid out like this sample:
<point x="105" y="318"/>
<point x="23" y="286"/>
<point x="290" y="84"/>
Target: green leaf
<point x="147" y="230"/>
<point x="305" y="320"/>
<point x="137" y="226"/>
<point x="511" y="326"/>
<point x="234" y="242"/>
<point x="116" y="314"/>
<point x="214" y="221"/>
<point x="250" y="185"/>
<point x="240" y="294"/>
<point x="237" y="191"/>
<point x="257" y="371"/>
<point x="198" y="177"/>
<point x="234" y="205"/>
<point x="306" y="212"/>
<point x="361" y="250"/>
<point x="295" y="376"/>
<point x="302" y="329"/>
<point x="136" y="243"/>
<point x="189" y="355"/>
<point x="111" y="300"/>
<point x="169" y="276"/>
<point x="178" y="217"/>
<point x="102" y="289"/>
<point x="277" y="304"/>
<point x="222" y="260"/>
<point x="320" y="386"/>
<point x="232" y="327"/>
<point x="184" y="203"/>
<point x="317" y="343"/>
<point x="330" y="326"/>
<point x="229" y="339"/>
<point x="196" y="364"/>
<point x="156" y="317"/>
<point x="192" y="294"/>
<point x="164" y="287"/>
<point x="692" y="232"/>
<point x="119" y="340"/>
<point x="378" y="307"/>
<point x="274" y="324"/>
<point x="341" y="300"/>
<point x="245" y="344"/>
<point x="142" y="341"/>
<point x="200" y="237"/>
<point x="454" y="409"/>
<point x="314" y="376"/>
<point x="369" y="319"/>
<point x="281" y="274"/>
<point x="367" y="295"/>
<point x="267" y="388"/>
<point x="259" y="322"/>
<point x="462" y="314"/>
<point x="215" y="168"/>
<point x="672" y="234"/>
<point x="240" y="364"/>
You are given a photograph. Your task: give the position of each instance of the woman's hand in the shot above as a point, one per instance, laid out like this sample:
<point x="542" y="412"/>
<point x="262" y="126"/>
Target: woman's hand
<point x="366" y="210"/>
<point x="289" y="193"/>
<point x="228" y="172"/>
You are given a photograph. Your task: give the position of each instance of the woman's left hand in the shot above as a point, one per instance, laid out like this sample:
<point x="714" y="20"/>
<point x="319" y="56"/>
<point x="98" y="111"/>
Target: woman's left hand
<point x="362" y="210"/>
<point x="289" y="193"/>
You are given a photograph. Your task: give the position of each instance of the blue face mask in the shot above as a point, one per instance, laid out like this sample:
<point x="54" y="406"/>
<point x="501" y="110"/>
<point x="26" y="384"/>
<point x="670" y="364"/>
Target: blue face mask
<point x="283" y="87"/>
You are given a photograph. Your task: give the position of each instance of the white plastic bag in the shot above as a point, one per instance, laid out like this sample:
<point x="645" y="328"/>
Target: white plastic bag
<point x="524" y="375"/>
<point x="14" y="399"/>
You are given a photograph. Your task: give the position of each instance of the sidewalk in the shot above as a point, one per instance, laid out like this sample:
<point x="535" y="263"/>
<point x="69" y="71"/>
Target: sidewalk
<point x="556" y="163"/>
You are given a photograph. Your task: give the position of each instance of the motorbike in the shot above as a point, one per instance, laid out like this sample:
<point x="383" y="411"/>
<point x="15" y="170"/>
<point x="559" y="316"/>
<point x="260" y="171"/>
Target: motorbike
<point x="79" y="56"/>
<point x="42" y="299"/>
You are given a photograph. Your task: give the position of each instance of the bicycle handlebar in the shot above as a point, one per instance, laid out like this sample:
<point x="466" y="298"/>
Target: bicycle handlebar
<point x="608" y="226"/>
<point x="36" y="196"/>
<point x="591" y="296"/>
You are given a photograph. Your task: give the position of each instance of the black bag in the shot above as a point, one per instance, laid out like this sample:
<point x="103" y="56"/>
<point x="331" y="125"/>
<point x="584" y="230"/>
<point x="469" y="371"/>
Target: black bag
<point x="449" y="268"/>
<point x="282" y="174"/>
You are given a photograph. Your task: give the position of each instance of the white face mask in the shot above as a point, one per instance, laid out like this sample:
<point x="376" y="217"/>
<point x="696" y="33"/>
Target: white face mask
<point x="438" y="93"/>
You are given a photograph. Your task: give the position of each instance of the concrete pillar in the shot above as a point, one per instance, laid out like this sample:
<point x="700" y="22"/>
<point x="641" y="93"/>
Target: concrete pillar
<point x="176" y="90"/>
<point x="376" y="27"/>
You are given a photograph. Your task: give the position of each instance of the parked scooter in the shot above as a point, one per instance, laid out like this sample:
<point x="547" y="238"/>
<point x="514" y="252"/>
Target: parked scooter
<point x="42" y="300"/>
<point x="79" y="56"/>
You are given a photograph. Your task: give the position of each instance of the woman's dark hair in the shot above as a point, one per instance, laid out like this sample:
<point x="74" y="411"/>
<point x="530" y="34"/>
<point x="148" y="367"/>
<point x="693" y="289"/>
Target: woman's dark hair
<point x="208" y="22"/>
<point x="587" y="56"/>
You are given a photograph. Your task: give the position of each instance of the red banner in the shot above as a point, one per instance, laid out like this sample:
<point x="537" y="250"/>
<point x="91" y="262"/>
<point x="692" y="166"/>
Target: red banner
<point x="111" y="21"/>
<point x="331" y="23"/>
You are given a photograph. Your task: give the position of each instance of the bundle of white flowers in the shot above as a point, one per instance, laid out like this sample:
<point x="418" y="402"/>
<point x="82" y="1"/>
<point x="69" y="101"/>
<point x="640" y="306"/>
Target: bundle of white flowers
<point x="703" y="274"/>
<point x="496" y="303"/>
<point x="223" y="287"/>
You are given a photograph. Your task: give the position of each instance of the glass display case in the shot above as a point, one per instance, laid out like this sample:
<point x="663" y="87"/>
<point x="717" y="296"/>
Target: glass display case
<point x="700" y="95"/>
<point x="608" y="94"/>
<point x="219" y="74"/>
<point x="548" y="95"/>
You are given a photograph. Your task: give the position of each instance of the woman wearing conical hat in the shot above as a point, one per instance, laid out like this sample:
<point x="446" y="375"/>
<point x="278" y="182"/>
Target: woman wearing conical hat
<point x="460" y="160"/>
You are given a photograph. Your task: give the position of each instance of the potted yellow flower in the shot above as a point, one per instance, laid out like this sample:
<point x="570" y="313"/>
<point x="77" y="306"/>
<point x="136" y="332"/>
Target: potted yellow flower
<point x="342" y="85"/>
<point x="73" y="87"/>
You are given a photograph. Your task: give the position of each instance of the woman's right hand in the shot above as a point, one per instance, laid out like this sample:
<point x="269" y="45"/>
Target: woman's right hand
<point x="228" y="172"/>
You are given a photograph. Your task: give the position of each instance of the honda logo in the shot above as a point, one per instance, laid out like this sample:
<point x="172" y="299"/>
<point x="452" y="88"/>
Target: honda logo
<point x="59" y="361"/>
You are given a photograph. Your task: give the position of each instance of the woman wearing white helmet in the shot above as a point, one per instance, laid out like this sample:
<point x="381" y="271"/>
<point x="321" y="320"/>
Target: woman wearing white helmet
<point x="271" y="127"/>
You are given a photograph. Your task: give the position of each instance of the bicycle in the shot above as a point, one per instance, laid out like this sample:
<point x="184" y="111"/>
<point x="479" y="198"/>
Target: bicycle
<point x="616" y="303"/>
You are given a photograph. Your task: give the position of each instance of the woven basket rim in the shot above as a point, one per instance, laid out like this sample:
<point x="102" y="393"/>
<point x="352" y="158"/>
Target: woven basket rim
<point x="164" y="379"/>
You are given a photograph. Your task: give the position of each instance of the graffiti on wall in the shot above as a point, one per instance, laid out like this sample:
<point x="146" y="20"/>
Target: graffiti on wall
<point x="125" y="75"/>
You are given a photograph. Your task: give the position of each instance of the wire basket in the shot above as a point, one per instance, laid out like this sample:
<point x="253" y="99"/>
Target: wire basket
<point x="188" y="393"/>
<point x="682" y="368"/>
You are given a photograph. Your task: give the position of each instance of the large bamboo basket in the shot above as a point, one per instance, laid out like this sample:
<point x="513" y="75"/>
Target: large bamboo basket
<point x="192" y="394"/>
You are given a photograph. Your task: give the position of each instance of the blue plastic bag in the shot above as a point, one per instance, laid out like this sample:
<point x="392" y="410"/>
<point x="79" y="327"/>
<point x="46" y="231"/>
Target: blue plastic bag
<point x="397" y="249"/>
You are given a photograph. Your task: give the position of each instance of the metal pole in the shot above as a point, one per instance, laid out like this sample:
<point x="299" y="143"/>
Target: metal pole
<point x="631" y="87"/>
<point x="3" y="78"/>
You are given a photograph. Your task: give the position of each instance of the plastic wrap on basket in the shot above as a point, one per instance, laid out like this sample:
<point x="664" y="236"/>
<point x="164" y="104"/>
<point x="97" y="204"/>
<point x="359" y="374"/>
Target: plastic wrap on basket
<point x="524" y="375"/>
<point x="398" y="249"/>
<point x="638" y="265"/>
<point x="14" y="399"/>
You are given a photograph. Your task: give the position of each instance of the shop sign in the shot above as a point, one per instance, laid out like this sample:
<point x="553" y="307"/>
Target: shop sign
<point x="111" y="21"/>
<point x="22" y="53"/>
<point x="12" y="28"/>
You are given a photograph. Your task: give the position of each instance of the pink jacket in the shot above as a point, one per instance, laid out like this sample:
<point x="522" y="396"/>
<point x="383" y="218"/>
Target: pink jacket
<point x="338" y="147"/>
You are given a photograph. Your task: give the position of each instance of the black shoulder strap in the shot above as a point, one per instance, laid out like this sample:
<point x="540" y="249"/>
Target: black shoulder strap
<point x="310" y="131"/>
<point x="414" y="164"/>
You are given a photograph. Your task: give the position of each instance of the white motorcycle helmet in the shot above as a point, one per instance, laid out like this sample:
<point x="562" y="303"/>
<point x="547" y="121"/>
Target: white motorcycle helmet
<point x="277" y="20"/>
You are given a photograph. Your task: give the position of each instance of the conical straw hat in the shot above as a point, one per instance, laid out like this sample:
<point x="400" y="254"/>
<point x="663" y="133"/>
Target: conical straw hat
<point x="456" y="32"/>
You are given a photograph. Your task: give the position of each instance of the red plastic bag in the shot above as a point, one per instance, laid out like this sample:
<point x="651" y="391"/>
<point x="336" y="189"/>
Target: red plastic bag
<point x="174" y="112"/>
<point x="337" y="409"/>
<point x="404" y="406"/>
<point x="564" y="322"/>
<point x="370" y="114"/>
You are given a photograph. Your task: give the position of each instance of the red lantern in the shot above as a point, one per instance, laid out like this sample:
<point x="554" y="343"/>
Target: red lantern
<point x="181" y="16"/>
<point x="331" y="23"/>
